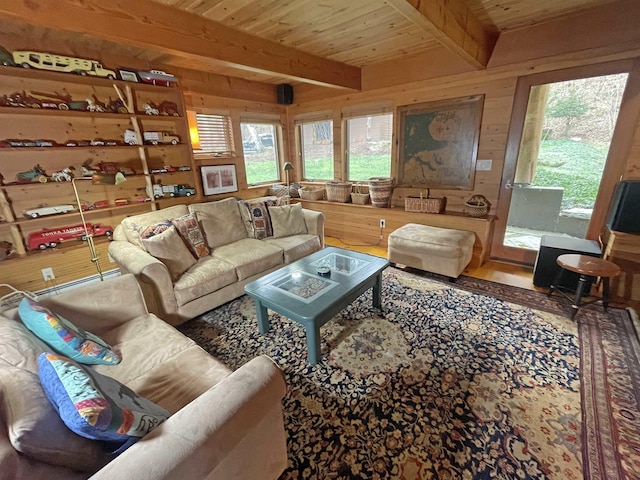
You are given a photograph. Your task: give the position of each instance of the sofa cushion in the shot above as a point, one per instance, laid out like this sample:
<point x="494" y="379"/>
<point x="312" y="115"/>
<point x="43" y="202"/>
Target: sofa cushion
<point x="20" y="347"/>
<point x="206" y="276"/>
<point x="36" y="430"/>
<point x="220" y="221"/>
<point x="132" y="225"/>
<point x="96" y="406"/>
<point x="170" y="249"/>
<point x="190" y="232"/>
<point x="149" y="231"/>
<point x="64" y="337"/>
<point x="256" y="218"/>
<point x="287" y="220"/>
<point x="249" y="256"/>
<point x="296" y="246"/>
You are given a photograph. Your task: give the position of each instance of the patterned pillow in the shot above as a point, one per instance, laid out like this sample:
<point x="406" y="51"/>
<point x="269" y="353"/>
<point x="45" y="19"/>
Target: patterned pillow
<point x="96" y="406"/>
<point x="151" y="230"/>
<point x="257" y="218"/>
<point x="64" y="337"/>
<point x="190" y="232"/>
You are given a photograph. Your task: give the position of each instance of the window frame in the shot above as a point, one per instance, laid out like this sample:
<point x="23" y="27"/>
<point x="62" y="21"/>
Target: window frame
<point x="309" y="119"/>
<point x="276" y="123"/>
<point x="363" y="112"/>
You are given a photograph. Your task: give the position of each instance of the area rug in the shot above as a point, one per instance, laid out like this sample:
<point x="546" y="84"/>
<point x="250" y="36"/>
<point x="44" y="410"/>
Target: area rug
<point x="472" y="380"/>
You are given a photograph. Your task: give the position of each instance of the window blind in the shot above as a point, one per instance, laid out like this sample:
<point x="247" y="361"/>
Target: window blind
<point x="216" y="134"/>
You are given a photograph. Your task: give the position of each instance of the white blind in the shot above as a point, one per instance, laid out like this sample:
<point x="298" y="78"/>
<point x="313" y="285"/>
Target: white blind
<point x="216" y="134"/>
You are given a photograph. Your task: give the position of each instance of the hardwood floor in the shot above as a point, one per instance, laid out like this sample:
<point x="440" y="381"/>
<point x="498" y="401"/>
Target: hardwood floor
<point x="499" y="272"/>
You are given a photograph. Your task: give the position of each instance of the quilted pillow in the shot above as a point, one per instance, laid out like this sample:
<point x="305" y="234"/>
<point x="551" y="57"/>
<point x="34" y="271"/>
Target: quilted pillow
<point x="257" y="218"/>
<point x="190" y="232"/>
<point x="96" y="406"/>
<point x="64" y="337"/>
<point x="36" y="430"/>
<point x="169" y="248"/>
<point x="152" y="230"/>
<point x="287" y="220"/>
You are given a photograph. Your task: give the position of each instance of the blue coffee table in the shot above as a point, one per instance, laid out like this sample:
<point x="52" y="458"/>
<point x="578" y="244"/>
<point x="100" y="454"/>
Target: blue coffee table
<point x="298" y="292"/>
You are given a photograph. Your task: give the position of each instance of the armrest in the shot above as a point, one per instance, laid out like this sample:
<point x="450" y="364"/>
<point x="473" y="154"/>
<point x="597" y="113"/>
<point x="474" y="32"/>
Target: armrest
<point x="234" y="430"/>
<point x="315" y="223"/>
<point x="152" y="275"/>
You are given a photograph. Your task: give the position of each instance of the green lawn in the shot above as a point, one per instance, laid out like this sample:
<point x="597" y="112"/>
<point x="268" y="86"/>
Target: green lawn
<point x="362" y="167"/>
<point x="575" y="166"/>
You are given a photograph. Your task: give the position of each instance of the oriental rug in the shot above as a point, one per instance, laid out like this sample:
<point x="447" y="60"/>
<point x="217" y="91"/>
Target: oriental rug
<point x="472" y="380"/>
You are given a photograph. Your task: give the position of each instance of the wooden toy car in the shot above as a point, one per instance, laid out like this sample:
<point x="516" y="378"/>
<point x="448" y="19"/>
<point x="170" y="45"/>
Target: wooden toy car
<point x="49" y="238"/>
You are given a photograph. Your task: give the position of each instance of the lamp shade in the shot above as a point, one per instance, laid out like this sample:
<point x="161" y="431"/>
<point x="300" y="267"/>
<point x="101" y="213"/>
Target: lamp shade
<point x="287" y="166"/>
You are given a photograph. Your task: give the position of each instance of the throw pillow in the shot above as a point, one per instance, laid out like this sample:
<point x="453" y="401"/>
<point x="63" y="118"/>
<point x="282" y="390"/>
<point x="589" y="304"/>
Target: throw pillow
<point x="96" y="406"/>
<point x="287" y="220"/>
<point x="131" y="226"/>
<point x="257" y="218"/>
<point x="190" y="232"/>
<point x="151" y="230"/>
<point x="64" y="337"/>
<point x="221" y="221"/>
<point x="36" y="430"/>
<point x="169" y="248"/>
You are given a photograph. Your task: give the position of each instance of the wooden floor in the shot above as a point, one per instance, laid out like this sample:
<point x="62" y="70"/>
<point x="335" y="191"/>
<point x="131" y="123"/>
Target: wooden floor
<point x="499" y="272"/>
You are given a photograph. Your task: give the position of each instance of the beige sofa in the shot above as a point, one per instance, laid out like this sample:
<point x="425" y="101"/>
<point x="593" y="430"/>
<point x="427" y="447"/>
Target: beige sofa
<point x="224" y="424"/>
<point x="236" y="257"/>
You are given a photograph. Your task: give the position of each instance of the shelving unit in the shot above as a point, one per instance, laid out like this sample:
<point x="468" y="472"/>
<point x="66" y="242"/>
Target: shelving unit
<point x="62" y="126"/>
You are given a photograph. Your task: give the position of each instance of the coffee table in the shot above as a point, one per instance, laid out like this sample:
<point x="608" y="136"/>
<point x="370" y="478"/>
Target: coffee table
<point x="298" y="292"/>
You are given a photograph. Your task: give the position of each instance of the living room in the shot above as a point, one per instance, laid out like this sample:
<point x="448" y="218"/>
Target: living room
<point x="267" y="71"/>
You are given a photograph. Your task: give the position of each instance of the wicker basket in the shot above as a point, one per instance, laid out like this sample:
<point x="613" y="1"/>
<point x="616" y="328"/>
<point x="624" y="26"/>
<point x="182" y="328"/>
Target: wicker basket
<point x="425" y="205"/>
<point x="477" y="206"/>
<point x="311" y="193"/>
<point x="359" y="196"/>
<point x="339" y="191"/>
<point x="381" y="189"/>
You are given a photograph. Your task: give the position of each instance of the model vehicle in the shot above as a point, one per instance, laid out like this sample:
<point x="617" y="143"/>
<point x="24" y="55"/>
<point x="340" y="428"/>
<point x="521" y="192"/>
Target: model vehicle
<point x="164" y="108"/>
<point x="42" y="210"/>
<point x="45" y="143"/>
<point x="119" y="202"/>
<point x="157" y="77"/>
<point x="174" y="190"/>
<point x="78" y="143"/>
<point x="154" y="138"/>
<point x="52" y="237"/>
<point x="6" y="58"/>
<point x="64" y="175"/>
<point x="36" y="174"/>
<point x="101" y="204"/>
<point x="61" y="63"/>
<point x="20" y="143"/>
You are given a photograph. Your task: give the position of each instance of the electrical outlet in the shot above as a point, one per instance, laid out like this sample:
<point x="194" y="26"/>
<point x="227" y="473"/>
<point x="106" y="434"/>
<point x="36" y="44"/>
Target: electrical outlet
<point x="383" y="223"/>
<point x="47" y="274"/>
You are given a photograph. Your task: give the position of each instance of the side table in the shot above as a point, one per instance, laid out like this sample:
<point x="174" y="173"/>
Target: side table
<point x="588" y="268"/>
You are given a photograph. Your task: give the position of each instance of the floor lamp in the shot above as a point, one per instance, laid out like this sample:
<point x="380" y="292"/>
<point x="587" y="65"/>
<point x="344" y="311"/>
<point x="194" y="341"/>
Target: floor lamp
<point x="97" y="178"/>
<point x="287" y="167"/>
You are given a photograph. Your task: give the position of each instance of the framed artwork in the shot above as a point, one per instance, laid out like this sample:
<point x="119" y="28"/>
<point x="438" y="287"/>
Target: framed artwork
<point x="438" y="143"/>
<point x="219" y="179"/>
<point x="128" y="76"/>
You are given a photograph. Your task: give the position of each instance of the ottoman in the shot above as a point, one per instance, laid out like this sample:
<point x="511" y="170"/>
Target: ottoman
<point x="438" y="250"/>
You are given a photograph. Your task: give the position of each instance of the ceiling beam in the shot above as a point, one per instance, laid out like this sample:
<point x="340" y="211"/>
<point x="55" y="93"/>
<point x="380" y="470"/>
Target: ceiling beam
<point x="153" y="26"/>
<point x="453" y="25"/>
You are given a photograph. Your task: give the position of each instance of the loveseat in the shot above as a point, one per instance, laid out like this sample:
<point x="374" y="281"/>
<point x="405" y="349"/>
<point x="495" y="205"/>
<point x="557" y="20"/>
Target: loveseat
<point x="223" y="424"/>
<point x="232" y="241"/>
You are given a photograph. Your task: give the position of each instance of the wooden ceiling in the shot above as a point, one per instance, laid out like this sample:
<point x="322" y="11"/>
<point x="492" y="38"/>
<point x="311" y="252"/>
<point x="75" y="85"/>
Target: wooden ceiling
<point x="322" y="42"/>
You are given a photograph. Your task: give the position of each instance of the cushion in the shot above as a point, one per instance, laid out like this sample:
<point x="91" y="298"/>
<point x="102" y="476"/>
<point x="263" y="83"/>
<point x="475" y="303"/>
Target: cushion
<point x="170" y="249"/>
<point x="287" y="220"/>
<point x="220" y="221"/>
<point x="190" y="232"/>
<point x="64" y="337"/>
<point x="257" y="218"/>
<point x="96" y="406"/>
<point x="148" y="231"/>
<point x="133" y="224"/>
<point x="36" y="430"/>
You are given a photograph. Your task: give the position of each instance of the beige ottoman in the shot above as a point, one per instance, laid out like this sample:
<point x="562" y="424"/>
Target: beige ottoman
<point x="437" y="250"/>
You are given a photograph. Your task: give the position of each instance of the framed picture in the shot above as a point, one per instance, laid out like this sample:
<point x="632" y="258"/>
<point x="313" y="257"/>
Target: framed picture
<point x="438" y="143"/>
<point x="128" y="76"/>
<point x="219" y="179"/>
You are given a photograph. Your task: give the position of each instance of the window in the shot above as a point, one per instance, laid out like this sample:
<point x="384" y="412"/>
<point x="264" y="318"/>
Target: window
<point x="216" y="135"/>
<point x="316" y="147"/>
<point x="369" y="146"/>
<point x="260" y="147"/>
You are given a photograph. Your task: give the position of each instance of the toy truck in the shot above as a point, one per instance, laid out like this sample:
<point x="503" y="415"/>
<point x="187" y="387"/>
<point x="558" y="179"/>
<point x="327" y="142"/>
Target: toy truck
<point x="174" y="190"/>
<point x="154" y="138"/>
<point x="49" y="238"/>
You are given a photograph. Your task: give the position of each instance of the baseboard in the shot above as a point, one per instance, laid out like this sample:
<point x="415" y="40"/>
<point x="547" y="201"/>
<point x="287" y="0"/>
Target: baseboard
<point x="56" y="289"/>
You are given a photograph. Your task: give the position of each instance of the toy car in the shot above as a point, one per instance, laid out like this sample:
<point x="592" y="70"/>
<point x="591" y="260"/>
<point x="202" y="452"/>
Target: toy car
<point x="49" y="238"/>
<point x="42" y="210"/>
<point x="121" y="202"/>
<point x="36" y="174"/>
<point x="158" y="77"/>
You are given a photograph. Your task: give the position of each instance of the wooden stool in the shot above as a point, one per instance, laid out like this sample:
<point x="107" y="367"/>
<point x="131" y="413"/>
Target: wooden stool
<point x="587" y="267"/>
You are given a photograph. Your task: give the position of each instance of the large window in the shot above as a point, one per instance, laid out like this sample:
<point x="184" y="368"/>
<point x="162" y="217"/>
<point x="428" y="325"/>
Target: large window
<point x="316" y="147"/>
<point x="216" y="134"/>
<point x="369" y="146"/>
<point x="260" y="147"/>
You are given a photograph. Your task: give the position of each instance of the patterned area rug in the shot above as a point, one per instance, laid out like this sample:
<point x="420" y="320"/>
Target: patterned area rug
<point x="451" y="381"/>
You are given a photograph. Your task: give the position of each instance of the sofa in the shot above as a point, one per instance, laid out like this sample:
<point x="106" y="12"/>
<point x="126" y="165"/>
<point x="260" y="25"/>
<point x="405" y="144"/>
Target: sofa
<point x="223" y="424"/>
<point x="232" y="241"/>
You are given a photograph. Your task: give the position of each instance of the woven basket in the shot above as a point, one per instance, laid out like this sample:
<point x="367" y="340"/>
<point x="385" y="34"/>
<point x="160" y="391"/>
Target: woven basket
<point x="425" y="205"/>
<point x="477" y="206"/>
<point x="311" y="193"/>
<point x="359" y="197"/>
<point x="339" y="191"/>
<point x="380" y="189"/>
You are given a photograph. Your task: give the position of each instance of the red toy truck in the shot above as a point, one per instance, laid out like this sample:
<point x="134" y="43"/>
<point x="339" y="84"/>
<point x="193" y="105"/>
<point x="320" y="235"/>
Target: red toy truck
<point x="50" y="238"/>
